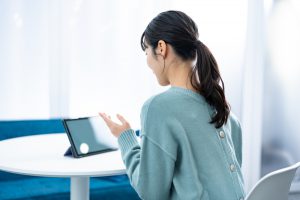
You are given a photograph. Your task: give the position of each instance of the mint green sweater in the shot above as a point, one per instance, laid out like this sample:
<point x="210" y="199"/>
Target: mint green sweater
<point x="181" y="155"/>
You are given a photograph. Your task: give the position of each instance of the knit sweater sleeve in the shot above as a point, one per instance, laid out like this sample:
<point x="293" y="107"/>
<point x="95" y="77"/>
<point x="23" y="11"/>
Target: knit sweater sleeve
<point x="237" y="139"/>
<point x="150" y="166"/>
<point x="238" y="144"/>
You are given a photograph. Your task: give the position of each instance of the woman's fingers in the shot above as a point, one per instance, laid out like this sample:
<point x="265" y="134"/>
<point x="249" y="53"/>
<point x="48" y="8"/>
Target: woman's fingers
<point x="107" y="120"/>
<point x="121" y="118"/>
<point x="114" y="127"/>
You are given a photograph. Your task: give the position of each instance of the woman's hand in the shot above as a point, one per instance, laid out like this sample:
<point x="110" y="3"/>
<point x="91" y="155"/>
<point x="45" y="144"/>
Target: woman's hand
<point x="115" y="128"/>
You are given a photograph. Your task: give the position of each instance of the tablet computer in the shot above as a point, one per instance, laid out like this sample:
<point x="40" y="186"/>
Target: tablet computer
<point x="89" y="136"/>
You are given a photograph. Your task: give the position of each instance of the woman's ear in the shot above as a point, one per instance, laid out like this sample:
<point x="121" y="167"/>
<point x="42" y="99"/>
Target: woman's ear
<point x="161" y="48"/>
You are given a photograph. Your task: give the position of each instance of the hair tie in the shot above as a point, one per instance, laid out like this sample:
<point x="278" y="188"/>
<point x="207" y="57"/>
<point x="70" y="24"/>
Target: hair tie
<point x="197" y="43"/>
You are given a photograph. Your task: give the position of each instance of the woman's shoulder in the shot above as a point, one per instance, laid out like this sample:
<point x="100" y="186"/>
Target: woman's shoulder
<point x="159" y="101"/>
<point x="158" y="104"/>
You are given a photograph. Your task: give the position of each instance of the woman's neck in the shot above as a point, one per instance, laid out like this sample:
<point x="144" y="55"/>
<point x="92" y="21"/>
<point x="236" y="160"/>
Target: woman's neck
<point x="179" y="76"/>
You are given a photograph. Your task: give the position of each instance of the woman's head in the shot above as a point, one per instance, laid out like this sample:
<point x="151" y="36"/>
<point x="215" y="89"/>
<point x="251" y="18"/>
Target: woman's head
<point x="179" y="31"/>
<point x="174" y="28"/>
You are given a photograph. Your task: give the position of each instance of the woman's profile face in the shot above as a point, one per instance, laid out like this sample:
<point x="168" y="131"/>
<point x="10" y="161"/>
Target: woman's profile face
<point x="156" y="64"/>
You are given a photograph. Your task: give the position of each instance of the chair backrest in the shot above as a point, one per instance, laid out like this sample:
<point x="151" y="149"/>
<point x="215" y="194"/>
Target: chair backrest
<point x="275" y="185"/>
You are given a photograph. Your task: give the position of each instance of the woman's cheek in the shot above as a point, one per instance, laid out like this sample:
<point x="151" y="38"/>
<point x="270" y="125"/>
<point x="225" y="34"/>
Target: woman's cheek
<point x="148" y="62"/>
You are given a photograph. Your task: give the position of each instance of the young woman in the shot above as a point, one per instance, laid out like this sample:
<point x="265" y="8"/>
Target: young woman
<point x="191" y="145"/>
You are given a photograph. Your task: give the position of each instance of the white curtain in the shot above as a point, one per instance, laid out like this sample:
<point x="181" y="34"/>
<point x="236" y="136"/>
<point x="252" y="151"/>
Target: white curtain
<point x="24" y="72"/>
<point x="75" y="58"/>
<point x="254" y="65"/>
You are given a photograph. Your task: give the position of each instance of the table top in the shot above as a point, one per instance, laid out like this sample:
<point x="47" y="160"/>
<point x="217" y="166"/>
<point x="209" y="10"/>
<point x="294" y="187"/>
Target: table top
<point x="43" y="155"/>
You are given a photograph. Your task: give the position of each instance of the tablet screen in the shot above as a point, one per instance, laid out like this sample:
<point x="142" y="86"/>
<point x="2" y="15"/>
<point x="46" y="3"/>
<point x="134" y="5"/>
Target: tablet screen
<point x="90" y="135"/>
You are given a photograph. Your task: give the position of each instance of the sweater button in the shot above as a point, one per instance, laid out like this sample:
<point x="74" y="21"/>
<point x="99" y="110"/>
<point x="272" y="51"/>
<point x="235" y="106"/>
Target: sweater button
<point x="221" y="134"/>
<point x="232" y="167"/>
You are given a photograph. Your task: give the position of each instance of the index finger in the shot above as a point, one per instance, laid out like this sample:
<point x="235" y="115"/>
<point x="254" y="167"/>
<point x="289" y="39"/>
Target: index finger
<point x="108" y="121"/>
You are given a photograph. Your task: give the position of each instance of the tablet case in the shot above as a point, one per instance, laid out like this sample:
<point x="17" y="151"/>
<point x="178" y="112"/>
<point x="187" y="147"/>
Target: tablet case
<point x="71" y="150"/>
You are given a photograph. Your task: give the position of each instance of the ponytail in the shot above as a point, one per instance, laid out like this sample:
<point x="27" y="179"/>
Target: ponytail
<point x="205" y="78"/>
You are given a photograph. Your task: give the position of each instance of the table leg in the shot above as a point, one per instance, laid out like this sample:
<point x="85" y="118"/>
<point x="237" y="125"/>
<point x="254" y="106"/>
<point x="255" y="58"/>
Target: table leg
<point x="80" y="188"/>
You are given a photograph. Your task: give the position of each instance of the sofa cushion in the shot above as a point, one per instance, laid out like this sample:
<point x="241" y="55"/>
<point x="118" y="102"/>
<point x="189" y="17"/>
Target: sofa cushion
<point x="113" y="187"/>
<point x="18" y="128"/>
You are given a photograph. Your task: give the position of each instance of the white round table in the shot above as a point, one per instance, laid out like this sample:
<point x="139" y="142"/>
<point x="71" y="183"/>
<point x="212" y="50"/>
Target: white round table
<point x="43" y="155"/>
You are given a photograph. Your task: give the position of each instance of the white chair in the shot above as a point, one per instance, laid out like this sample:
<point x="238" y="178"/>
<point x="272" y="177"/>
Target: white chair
<point x="275" y="185"/>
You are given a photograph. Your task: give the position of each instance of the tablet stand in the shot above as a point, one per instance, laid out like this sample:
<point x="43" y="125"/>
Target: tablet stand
<point x="69" y="152"/>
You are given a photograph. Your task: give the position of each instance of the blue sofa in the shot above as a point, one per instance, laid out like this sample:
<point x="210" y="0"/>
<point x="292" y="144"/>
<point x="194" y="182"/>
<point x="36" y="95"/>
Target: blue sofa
<point x="20" y="187"/>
